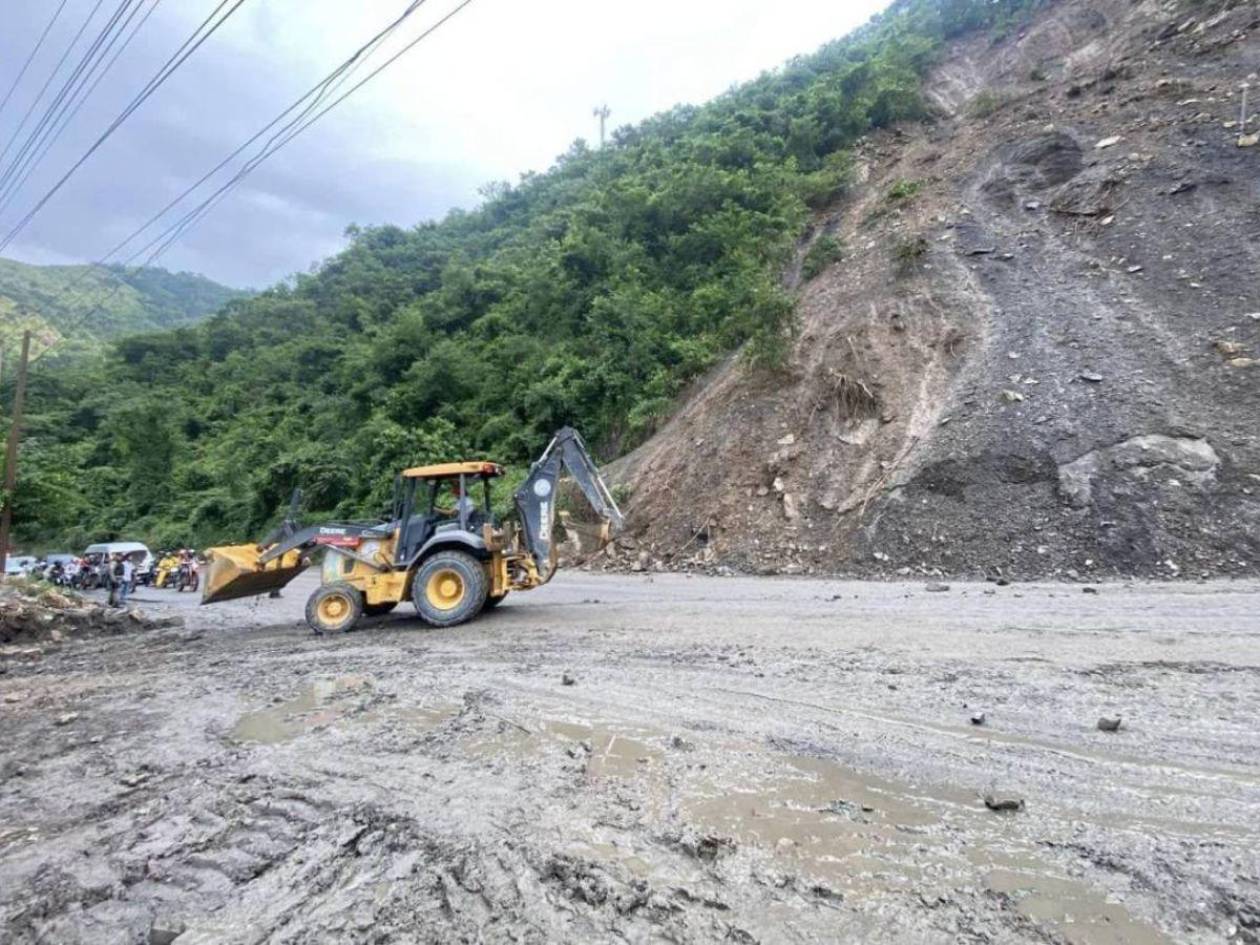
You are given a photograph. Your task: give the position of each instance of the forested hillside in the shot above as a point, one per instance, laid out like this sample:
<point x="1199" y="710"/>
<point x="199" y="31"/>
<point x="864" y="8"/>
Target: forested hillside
<point x="78" y="307"/>
<point x="590" y="294"/>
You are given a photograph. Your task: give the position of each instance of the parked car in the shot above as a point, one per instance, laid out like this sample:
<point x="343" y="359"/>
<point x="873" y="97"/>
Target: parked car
<point x="19" y="564"/>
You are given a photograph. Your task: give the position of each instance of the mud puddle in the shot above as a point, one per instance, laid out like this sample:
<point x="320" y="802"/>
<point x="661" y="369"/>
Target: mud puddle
<point x="1072" y="910"/>
<point x="867" y="837"/>
<point x="326" y="701"/>
<point x="608" y="751"/>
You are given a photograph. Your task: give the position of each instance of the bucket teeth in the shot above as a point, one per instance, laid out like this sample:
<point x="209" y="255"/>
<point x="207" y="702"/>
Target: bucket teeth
<point x="235" y="571"/>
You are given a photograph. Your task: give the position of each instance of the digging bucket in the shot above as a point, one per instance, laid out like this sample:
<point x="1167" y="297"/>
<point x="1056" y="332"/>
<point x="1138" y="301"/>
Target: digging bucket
<point x="235" y="571"/>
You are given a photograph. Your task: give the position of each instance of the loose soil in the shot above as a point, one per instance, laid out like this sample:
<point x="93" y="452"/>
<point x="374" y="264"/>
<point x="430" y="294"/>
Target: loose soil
<point x="647" y="758"/>
<point x="1040" y="351"/>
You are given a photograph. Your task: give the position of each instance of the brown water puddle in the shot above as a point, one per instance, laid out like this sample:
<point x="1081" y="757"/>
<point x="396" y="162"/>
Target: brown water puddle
<point x="609" y="752"/>
<point x="866" y="836"/>
<point x="840" y="827"/>
<point x="322" y="702"/>
<point x="1075" y="912"/>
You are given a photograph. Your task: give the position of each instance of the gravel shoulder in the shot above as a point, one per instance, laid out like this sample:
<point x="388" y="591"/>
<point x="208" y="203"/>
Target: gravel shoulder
<point x="647" y="758"/>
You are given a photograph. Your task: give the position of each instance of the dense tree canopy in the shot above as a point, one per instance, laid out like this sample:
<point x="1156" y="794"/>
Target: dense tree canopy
<point x="588" y="295"/>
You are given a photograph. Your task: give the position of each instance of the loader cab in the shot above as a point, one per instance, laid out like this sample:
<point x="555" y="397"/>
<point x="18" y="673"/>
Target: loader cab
<point x="449" y="497"/>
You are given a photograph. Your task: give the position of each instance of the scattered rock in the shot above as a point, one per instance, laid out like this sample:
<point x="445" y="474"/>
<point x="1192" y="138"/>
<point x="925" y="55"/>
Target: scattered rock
<point x="1003" y="802"/>
<point x="1249" y="141"/>
<point x="1242" y="362"/>
<point x="978" y="719"/>
<point x="166" y="930"/>
<point x="1091" y="377"/>
<point x="936" y="588"/>
<point x="1012" y="396"/>
<point x="66" y="718"/>
<point x="1089" y="590"/>
<point x="1108" y="142"/>
<point x="1109" y="725"/>
<point x="1229" y="349"/>
<point x="790" y="509"/>
<point x="567" y="680"/>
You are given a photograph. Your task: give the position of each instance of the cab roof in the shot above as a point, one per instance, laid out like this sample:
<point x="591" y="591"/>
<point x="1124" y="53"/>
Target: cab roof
<point x="447" y="470"/>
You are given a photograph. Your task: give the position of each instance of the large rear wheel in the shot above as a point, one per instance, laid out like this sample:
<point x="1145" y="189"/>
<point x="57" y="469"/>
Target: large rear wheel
<point x="449" y="588"/>
<point x="334" y="608"/>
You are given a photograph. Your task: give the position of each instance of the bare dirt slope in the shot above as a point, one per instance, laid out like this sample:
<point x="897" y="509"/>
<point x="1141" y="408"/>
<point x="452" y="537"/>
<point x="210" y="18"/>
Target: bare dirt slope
<point x="1040" y="354"/>
<point x="641" y="759"/>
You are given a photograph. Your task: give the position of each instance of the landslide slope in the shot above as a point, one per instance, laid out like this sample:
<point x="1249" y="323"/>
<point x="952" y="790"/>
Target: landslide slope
<point x="1037" y="355"/>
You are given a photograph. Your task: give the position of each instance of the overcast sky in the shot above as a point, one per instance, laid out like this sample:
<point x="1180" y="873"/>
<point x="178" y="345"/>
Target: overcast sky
<point x="503" y="88"/>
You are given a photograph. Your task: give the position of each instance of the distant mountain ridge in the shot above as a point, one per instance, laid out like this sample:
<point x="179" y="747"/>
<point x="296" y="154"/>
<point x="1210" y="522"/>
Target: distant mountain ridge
<point x="56" y="300"/>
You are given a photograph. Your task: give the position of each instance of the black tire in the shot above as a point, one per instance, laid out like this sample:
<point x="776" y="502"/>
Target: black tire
<point x="334" y="608"/>
<point x="378" y="610"/>
<point x="494" y="600"/>
<point x="449" y="588"/>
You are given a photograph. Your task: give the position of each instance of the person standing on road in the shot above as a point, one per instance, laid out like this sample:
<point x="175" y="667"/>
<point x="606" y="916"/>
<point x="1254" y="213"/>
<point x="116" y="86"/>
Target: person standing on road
<point x="109" y="573"/>
<point x="128" y="580"/>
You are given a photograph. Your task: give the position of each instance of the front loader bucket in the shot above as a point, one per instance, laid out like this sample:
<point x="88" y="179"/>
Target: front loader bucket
<point x="235" y="571"/>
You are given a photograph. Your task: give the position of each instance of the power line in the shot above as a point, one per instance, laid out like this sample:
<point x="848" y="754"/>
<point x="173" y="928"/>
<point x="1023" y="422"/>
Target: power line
<point x="193" y="217"/>
<point x="47" y="82"/>
<point x="167" y="70"/>
<point x="68" y="118"/>
<point x="55" y="119"/>
<point x="31" y="58"/>
<point x="54" y="108"/>
<point x="180" y="227"/>
<point x="320" y="89"/>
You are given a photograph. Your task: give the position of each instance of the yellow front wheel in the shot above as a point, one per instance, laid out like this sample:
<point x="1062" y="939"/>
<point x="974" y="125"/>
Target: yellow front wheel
<point x="445" y="589"/>
<point x="450" y="587"/>
<point x="334" y="608"/>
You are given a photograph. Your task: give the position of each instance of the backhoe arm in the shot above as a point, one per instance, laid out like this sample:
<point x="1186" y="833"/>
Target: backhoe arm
<point x="536" y="498"/>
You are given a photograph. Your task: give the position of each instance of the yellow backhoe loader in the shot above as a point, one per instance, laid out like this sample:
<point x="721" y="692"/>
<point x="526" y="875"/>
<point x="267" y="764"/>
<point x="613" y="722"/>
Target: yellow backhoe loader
<point x="451" y="564"/>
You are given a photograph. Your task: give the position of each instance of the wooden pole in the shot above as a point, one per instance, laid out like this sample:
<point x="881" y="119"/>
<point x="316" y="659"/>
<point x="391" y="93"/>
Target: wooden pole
<point x="11" y="451"/>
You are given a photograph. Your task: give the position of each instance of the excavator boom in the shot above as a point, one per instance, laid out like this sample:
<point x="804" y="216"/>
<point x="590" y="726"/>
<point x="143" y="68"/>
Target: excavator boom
<point x="536" y="498"/>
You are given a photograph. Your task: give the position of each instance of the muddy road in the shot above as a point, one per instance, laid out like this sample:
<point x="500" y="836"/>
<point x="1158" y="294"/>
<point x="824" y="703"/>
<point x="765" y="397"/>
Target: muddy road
<point x="647" y="759"/>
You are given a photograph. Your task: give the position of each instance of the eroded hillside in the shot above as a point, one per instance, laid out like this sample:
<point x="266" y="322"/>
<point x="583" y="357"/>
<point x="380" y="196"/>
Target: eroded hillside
<point x="1039" y="353"/>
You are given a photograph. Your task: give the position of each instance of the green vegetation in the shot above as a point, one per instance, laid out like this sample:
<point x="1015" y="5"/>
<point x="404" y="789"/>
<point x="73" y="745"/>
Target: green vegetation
<point x="822" y="253"/>
<point x="589" y="294"/>
<point x="904" y="190"/>
<point x="63" y="301"/>
<point x="985" y="104"/>
<point x="908" y="252"/>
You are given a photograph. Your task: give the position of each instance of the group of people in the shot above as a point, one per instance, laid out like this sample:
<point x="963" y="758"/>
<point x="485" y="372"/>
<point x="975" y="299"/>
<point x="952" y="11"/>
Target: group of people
<point x="179" y="569"/>
<point x="120" y="574"/>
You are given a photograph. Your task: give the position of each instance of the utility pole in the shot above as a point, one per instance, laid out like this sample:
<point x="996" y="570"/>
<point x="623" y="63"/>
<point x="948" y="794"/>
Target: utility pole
<point x="602" y="112"/>
<point x="11" y="452"/>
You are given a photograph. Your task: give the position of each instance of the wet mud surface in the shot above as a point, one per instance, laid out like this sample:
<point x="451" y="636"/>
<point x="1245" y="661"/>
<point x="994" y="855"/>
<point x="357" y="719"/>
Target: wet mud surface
<point x="648" y="759"/>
